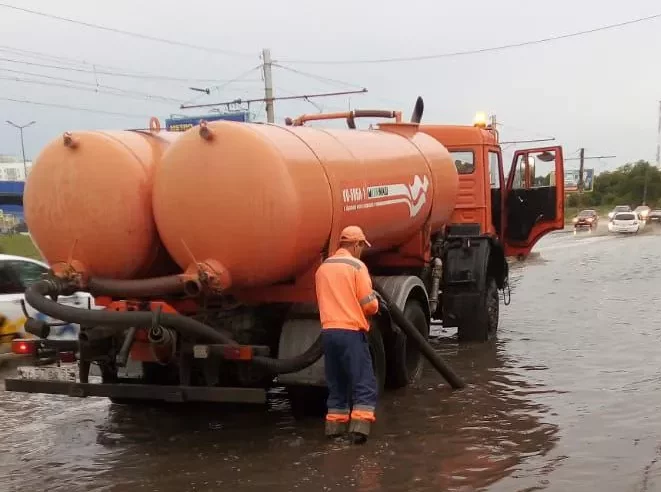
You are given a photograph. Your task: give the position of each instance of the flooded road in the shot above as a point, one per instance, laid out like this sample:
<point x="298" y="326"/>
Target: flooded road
<point x="568" y="398"/>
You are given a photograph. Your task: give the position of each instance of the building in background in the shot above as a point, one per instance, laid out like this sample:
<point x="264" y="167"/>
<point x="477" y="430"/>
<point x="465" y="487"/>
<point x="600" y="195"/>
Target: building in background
<point x="179" y="123"/>
<point x="11" y="168"/>
<point x="12" y="184"/>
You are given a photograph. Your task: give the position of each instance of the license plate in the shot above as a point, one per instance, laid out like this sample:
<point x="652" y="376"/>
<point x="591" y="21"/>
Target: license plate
<point x="62" y="373"/>
<point x="201" y="351"/>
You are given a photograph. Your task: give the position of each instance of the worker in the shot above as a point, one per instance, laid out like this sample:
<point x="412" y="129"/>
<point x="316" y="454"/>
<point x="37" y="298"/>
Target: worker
<point x="345" y="298"/>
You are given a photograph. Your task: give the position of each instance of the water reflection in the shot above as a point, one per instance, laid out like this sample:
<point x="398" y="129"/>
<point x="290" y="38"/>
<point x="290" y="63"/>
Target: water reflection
<point x="428" y="438"/>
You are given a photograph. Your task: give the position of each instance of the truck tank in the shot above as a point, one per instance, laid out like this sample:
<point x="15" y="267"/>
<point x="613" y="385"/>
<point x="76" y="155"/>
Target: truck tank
<point x="264" y="201"/>
<point x="88" y="199"/>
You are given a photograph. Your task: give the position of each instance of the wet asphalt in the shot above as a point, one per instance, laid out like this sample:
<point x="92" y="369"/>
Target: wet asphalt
<point x="568" y="398"/>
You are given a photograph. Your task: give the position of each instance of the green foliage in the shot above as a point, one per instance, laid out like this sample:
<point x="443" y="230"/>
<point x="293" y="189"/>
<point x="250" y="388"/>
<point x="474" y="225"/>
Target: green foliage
<point x="19" y="245"/>
<point x="624" y="186"/>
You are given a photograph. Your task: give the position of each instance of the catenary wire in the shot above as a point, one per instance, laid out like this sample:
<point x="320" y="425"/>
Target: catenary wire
<point x="73" y="108"/>
<point x="474" y="51"/>
<point x="128" y="33"/>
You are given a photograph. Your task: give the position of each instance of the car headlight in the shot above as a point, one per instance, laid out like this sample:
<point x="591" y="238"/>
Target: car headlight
<point x="575" y="219"/>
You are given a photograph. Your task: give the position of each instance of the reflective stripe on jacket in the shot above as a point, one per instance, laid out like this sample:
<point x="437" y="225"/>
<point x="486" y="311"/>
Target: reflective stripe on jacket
<point x="344" y="292"/>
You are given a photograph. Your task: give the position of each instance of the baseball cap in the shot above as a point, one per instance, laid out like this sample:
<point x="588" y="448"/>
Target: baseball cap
<point x="354" y="234"/>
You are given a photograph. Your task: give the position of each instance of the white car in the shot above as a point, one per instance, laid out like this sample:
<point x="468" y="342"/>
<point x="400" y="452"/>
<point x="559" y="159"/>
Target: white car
<point x="643" y="212"/>
<point x="626" y="222"/>
<point x="16" y="275"/>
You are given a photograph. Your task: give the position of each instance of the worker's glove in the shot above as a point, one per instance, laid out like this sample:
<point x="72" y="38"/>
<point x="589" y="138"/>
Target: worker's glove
<point x="383" y="306"/>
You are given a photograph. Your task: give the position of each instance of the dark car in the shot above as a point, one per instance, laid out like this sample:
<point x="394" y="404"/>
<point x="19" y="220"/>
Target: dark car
<point x="654" y="216"/>
<point x="586" y="219"/>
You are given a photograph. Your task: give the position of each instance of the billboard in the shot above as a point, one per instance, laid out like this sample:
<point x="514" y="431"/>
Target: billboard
<point x="181" y="124"/>
<point x="572" y="178"/>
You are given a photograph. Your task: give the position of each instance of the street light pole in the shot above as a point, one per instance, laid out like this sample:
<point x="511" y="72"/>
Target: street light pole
<point x="20" y="129"/>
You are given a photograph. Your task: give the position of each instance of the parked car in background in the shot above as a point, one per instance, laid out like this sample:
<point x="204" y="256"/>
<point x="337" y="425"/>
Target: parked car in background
<point x="617" y="209"/>
<point x="654" y="216"/>
<point x="16" y="275"/>
<point x="586" y="219"/>
<point x="642" y="211"/>
<point x="625" y="222"/>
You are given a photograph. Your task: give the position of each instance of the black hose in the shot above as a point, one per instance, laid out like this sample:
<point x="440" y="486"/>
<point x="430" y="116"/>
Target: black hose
<point x="295" y="364"/>
<point x="149" y="287"/>
<point x="36" y="297"/>
<point x="423" y="345"/>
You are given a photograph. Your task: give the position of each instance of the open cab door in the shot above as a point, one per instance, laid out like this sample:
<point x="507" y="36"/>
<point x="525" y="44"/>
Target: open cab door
<point x="534" y="198"/>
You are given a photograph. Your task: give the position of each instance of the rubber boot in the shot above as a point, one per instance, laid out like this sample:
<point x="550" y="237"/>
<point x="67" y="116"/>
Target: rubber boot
<point x="359" y="430"/>
<point x="336" y="429"/>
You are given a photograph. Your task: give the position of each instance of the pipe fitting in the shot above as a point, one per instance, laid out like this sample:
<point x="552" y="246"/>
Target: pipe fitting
<point x="70" y="141"/>
<point x="205" y="131"/>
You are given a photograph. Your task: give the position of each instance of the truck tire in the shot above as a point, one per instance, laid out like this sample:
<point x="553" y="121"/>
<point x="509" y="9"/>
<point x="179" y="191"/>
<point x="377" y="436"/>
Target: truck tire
<point x="483" y="324"/>
<point x="406" y="363"/>
<point x="310" y="401"/>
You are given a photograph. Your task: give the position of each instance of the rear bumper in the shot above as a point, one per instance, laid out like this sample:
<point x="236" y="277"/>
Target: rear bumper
<point x="628" y="230"/>
<point x="139" y="391"/>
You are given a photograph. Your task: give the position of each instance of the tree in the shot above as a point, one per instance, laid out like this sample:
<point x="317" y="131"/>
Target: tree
<point x="624" y="186"/>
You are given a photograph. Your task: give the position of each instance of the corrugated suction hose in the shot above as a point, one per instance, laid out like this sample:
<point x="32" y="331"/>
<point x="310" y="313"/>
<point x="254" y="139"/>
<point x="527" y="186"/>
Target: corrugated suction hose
<point x="420" y="342"/>
<point x="36" y="297"/>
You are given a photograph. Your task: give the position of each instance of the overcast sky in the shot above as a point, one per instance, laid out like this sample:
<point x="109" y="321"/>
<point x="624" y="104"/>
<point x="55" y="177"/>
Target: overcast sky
<point x="600" y="91"/>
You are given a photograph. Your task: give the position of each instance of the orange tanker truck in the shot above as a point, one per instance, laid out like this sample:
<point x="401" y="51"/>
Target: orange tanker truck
<point x="201" y="247"/>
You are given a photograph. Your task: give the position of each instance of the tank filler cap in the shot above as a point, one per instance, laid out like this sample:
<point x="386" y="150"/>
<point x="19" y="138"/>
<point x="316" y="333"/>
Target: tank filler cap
<point x="154" y="124"/>
<point x="205" y="131"/>
<point x="69" y="140"/>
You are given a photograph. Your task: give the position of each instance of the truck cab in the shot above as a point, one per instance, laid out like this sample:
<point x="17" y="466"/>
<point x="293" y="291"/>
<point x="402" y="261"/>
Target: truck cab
<point x="517" y="204"/>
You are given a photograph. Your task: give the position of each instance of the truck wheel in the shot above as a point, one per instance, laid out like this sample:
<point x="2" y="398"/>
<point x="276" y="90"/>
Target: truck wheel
<point x="405" y="363"/>
<point x="482" y="325"/>
<point x="310" y="401"/>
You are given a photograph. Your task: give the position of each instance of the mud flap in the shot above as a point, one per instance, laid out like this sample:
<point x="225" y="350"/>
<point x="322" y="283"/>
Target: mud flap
<point x="298" y="334"/>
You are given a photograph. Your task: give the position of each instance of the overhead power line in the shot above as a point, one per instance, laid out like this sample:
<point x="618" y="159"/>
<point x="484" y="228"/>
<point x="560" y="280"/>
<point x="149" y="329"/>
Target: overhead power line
<point x="529" y="141"/>
<point x="113" y="70"/>
<point x="73" y="108"/>
<point x="281" y="98"/>
<point x="110" y="73"/>
<point x="43" y="56"/>
<point x="238" y="78"/>
<point x="319" y="78"/>
<point x="129" y="33"/>
<point x="475" y="51"/>
<point x="99" y="89"/>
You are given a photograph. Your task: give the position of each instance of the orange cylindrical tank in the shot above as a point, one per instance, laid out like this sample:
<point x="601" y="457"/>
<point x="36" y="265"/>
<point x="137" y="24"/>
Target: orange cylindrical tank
<point x="264" y="201"/>
<point x="88" y="198"/>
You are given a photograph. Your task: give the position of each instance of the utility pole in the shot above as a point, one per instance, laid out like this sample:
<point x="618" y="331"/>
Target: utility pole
<point x="580" y="170"/>
<point x="268" y="85"/>
<point x="658" y="140"/>
<point x="20" y="128"/>
<point x="658" y="157"/>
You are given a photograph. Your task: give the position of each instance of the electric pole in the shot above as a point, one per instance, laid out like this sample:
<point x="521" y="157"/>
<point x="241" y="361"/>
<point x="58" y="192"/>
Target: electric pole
<point x="658" y="140"/>
<point x="581" y="183"/>
<point x="20" y="128"/>
<point x="580" y="170"/>
<point x="268" y="85"/>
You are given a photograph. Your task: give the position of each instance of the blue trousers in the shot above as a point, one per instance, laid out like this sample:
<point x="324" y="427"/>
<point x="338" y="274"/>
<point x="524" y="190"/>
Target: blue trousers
<point x="349" y="374"/>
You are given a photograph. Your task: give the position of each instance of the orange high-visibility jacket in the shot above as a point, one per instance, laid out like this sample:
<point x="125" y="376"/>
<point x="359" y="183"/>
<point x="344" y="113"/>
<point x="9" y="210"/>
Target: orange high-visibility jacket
<point x="344" y="292"/>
